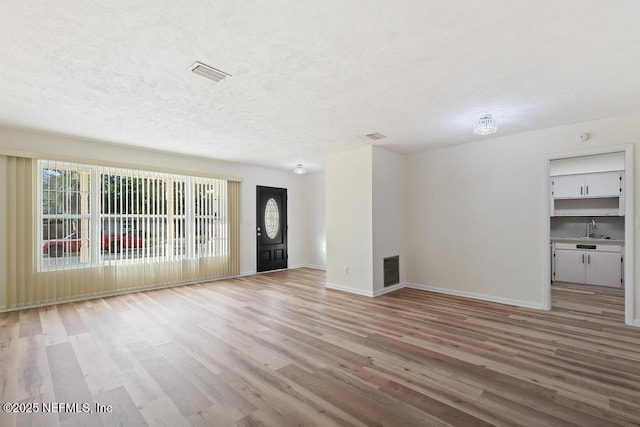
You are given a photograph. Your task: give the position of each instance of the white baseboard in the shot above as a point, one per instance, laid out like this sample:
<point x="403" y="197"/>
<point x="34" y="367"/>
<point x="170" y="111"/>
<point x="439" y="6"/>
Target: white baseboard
<point x="367" y="293"/>
<point x="348" y="289"/>
<point x="428" y="288"/>
<point x="388" y="289"/>
<point x="473" y="295"/>
<point x="315" y="267"/>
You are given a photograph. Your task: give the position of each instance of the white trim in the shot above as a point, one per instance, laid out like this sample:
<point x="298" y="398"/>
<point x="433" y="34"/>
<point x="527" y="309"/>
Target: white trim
<point x="589" y="152"/>
<point x="629" y="226"/>
<point x="629" y="239"/>
<point x="473" y="295"/>
<point x="348" y="289"/>
<point x="315" y="267"/>
<point x="388" y="289"/>
<point x="546" y="234"/>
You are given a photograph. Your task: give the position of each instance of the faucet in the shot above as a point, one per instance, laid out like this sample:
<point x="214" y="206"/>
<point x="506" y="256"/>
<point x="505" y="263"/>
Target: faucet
<point x="591" y="228"/>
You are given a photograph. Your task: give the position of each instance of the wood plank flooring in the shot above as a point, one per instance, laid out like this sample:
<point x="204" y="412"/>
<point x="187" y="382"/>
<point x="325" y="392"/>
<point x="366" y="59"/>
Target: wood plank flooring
<point x="278" y="349"/>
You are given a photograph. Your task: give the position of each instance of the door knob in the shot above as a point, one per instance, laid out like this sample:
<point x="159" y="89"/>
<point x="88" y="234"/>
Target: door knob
<point x="259" y="234"/>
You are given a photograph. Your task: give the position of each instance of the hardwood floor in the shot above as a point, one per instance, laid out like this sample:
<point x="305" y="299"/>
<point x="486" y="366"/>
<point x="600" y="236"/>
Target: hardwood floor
<point x="278" y="349"/>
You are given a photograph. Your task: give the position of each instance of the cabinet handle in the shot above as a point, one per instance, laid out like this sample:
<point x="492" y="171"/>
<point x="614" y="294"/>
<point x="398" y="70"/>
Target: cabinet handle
<point x="587" y="190"/>
<point x="581" y="187"/>
<point x="589" y="259"/>
<point x="583" y="258"/>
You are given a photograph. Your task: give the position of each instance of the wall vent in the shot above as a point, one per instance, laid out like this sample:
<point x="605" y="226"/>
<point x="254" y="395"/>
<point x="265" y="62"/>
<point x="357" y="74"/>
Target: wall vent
<point x="391" y="270"/>
<point x="208" y="72"/>
<point x="376" y="136"/>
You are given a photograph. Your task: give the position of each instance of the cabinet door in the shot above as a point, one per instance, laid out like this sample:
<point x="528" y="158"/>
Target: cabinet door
<point x="568" y="186"/>
<point x="604" y="269"/>
<point x="570" y="266"/>
<point x="605" y="184"/>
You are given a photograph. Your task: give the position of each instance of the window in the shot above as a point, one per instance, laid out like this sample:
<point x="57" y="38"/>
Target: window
<point x="94" y="215"/>
<point x="65" y="213"/>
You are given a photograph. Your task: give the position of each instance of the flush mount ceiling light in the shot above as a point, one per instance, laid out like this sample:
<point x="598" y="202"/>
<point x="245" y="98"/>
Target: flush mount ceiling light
<point x="208" y="72"/>
<point x="486" y="125"/>
<point x="299" y="169"/>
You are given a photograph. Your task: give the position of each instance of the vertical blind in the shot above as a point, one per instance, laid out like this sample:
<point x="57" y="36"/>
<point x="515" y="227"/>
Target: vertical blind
<point x="84" y="230"/>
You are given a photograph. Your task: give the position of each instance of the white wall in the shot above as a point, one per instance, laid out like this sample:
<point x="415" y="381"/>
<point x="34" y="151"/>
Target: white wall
<point x="474" y="217"/>
<point x="388" y="212"/>
<point x="20" y="142"/>
<point x="349" y="221"/>
<point x="316" y="219"/>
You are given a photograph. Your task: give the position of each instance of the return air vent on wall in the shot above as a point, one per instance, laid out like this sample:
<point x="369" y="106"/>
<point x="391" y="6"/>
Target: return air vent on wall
<point x="208" y="72"/>
<point x="391" y="270"/>
<point x="376" y="136"/>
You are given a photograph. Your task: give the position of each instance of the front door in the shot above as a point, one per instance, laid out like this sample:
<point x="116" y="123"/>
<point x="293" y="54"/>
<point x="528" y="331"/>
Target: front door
<point x="271" y="231"/>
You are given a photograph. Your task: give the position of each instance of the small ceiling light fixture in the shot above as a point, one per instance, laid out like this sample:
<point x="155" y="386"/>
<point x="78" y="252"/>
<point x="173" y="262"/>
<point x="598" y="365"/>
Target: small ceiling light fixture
<point x="299" y="169"/>
<point x="486" y="125"/>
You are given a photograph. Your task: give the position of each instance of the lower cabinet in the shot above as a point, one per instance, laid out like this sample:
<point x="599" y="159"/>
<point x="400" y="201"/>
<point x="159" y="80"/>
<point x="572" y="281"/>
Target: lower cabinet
<point x="600" y="264"/>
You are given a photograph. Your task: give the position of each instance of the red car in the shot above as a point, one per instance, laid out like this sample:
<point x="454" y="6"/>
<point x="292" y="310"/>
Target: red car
<point x="57" y="248"/>
<point x="117" y="242"/>
<point x="73" y="242"/>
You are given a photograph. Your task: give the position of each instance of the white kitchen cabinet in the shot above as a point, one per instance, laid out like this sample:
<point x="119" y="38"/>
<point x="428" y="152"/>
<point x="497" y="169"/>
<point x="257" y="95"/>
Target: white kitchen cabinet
<point x="590" y="194"/>
<point x="606" y="184"/>
<point x="600" y="266"/>
<point x="567" y="186"/>
<point x="603" y="184"/>
<point x="570" y="266"/>
<point x="604" y="269"/>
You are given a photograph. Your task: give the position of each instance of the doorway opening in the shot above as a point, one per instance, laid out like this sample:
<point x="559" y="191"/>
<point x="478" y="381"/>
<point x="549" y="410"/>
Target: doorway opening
<point x="271" y="228"/>
<point x="588" y="232"/>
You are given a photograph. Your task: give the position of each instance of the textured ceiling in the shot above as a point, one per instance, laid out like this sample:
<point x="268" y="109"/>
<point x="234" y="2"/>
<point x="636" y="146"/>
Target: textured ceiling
<point x="312" y="77"/>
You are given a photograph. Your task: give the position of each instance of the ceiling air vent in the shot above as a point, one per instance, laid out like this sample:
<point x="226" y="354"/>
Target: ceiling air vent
<point x="376" y="136"/>
<point x="208" y="72"/>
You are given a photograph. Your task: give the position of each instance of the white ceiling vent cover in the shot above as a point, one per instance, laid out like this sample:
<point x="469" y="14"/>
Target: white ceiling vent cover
<point x="208" y="72"/>
<point x="376" y="136"/>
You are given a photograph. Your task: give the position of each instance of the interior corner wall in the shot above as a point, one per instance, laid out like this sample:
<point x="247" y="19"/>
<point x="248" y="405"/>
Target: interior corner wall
<point x="388" y="212"/>
<point x="316" y="219"/>
<point x="14" y="141"/>
<point x="349" y="221"/>
<point x="474" y="218"/>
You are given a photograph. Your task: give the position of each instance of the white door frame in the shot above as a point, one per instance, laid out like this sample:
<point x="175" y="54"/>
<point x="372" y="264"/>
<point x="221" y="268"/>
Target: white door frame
<point x="629" y="226"/>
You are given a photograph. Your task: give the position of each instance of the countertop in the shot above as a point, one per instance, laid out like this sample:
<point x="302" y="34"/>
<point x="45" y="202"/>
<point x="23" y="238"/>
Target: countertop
<point x="586" y="239"/>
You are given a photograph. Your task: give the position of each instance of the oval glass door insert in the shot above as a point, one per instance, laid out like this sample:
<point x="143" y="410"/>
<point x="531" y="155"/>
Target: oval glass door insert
<point x="271" y="218"/>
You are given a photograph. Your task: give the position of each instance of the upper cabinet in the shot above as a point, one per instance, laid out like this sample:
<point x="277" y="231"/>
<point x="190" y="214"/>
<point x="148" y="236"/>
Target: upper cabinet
<point x="604" y="184"/>
<point x="589" y="194"/>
